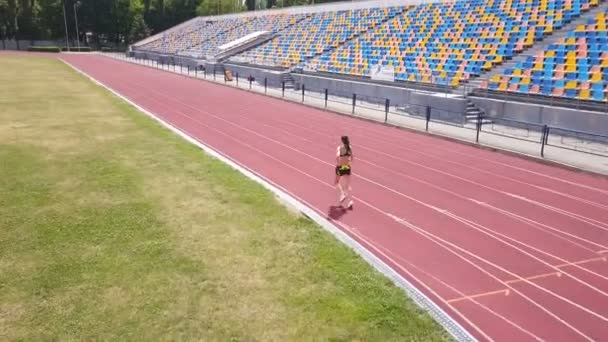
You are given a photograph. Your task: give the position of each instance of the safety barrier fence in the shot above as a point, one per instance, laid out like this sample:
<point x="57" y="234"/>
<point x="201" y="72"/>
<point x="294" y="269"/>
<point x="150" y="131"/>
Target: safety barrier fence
<point x="519" y="136"/>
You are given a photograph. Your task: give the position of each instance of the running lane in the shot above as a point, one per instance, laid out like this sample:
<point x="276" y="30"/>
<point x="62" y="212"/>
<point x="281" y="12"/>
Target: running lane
<point x="510" y="248"/>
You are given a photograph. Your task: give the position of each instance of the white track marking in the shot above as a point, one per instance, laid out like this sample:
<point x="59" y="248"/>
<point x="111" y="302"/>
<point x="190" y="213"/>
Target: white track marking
<point x="305" y="207"/>
<point x="431" y="206"/>
<point x="545" y="206"/>
<point x="369" y="180"/>
<point x="470" y="298"/>
<point x="590" y="221"/>
<point x="321" y="161"/>
<point x="472" y="156"/>
<point x="442" y="243"/>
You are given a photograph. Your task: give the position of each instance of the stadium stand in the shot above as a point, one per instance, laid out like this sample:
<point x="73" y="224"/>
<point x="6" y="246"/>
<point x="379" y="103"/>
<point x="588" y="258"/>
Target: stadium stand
<point x="174" y="41"/>
<point x="188" y="41"/>
<point x="204" y="34"/>
<point x="447" y="43"/>
<point x="543" y="62"/>
<point x="237" y="28"/>
<point x="444" y="43"/>
<point x="576" y="67"/>
<point x="318" y="33"/>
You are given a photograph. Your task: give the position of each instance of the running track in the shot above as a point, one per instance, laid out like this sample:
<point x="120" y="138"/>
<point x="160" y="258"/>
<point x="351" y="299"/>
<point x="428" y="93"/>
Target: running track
<point x="512" y="249"/>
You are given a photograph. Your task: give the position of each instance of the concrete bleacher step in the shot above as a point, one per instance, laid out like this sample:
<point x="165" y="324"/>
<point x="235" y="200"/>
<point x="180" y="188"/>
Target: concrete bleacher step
<point x="288" y="80"/>
<point x="473" y="119"/>
<point x="536" y="48"/>
<point x="473" y="112"/>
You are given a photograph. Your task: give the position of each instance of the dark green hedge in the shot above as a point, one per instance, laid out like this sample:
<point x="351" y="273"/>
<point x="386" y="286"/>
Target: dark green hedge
<point x="111" y="49"/>
<point x="74" y="48"/>
<point x="44" y="49"/>
<point x="58" y="49"/>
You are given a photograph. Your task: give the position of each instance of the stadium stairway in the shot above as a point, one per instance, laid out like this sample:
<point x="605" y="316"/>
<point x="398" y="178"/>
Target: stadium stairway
<point x="288" y="80"/>
<point x="473" y="113"/>
<point x="539" y="46"/>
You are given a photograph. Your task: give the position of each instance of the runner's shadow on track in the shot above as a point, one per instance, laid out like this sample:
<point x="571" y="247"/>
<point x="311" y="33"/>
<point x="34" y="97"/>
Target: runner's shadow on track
<point x="336" y="212"/>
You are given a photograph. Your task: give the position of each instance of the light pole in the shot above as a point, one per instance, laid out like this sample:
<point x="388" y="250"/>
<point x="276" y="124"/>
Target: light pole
<point x="65" y="20"/>
<point x="77" y="4"/>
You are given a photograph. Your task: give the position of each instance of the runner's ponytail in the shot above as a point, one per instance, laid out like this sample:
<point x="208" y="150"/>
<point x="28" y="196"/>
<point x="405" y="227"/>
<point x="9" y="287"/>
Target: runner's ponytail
<point x="346" y="143"/>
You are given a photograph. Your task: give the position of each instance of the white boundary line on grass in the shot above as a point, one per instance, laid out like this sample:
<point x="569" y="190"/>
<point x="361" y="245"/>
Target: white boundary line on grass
<point x="447" y="322"/>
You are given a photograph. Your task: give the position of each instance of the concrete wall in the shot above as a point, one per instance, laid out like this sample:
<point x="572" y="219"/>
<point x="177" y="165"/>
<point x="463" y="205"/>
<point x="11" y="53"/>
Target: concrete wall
<point x="566" y="118"/>
<point x="167" y="59"/>
<point x="273" y="77"/>
<point x="443" y="107"/>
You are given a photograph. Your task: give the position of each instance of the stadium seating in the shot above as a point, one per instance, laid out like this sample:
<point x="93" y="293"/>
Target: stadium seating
<point x="185" y="40"/>
<point x="239" y="28"/>
<point x="172" y="41"/>
<point x="447" y="43"/>
<point x="191" y="45"/>
<point x="575" y="67"/>
<point x="443" y="43"/>
<point x="317" y="33"/>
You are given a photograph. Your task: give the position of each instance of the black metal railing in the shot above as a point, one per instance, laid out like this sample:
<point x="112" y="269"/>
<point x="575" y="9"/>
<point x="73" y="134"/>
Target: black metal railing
<point x="589" y="143"/>
<point x="384" y="110"/>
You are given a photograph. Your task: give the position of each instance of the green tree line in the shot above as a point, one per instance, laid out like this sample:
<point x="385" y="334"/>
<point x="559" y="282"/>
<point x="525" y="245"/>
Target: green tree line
<point x="113" y="21"/>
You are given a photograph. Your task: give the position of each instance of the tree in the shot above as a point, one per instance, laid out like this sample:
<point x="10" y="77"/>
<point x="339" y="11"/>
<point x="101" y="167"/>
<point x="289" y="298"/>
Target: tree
<point x="178" y="11"/>
<point x="122" y="19"/>
<point x="49" y="19"/>
<point x="250" y="4"/>
<point x="28" y="16"/>
<point x="139" y="29"/>
<point x="117" y="21"/>
<point x="4" y="21"/>
<point x="216" y="7"/>
<point x="12" y="20"/>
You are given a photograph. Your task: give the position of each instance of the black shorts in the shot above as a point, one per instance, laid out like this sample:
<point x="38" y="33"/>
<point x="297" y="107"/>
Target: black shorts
<point x="342" y="171"/>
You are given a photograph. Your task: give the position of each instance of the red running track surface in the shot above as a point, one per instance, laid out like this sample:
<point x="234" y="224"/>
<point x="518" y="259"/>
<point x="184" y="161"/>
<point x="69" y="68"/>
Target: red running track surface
<point x="512" y="249"/>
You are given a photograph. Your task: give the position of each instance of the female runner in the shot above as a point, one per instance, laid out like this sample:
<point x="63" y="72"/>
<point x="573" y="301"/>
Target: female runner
<point x="344" y="158"/>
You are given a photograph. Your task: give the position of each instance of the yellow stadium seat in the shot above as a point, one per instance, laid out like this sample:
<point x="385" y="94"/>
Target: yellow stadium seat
<point x="571" y="84"/>
<point x="570" y="66"/>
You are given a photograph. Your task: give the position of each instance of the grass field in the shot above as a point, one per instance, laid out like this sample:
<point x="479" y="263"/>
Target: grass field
<point x="113" y="228"/>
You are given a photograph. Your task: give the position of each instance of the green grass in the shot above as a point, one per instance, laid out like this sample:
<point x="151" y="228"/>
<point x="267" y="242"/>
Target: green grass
<point x="111" y="227"/>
